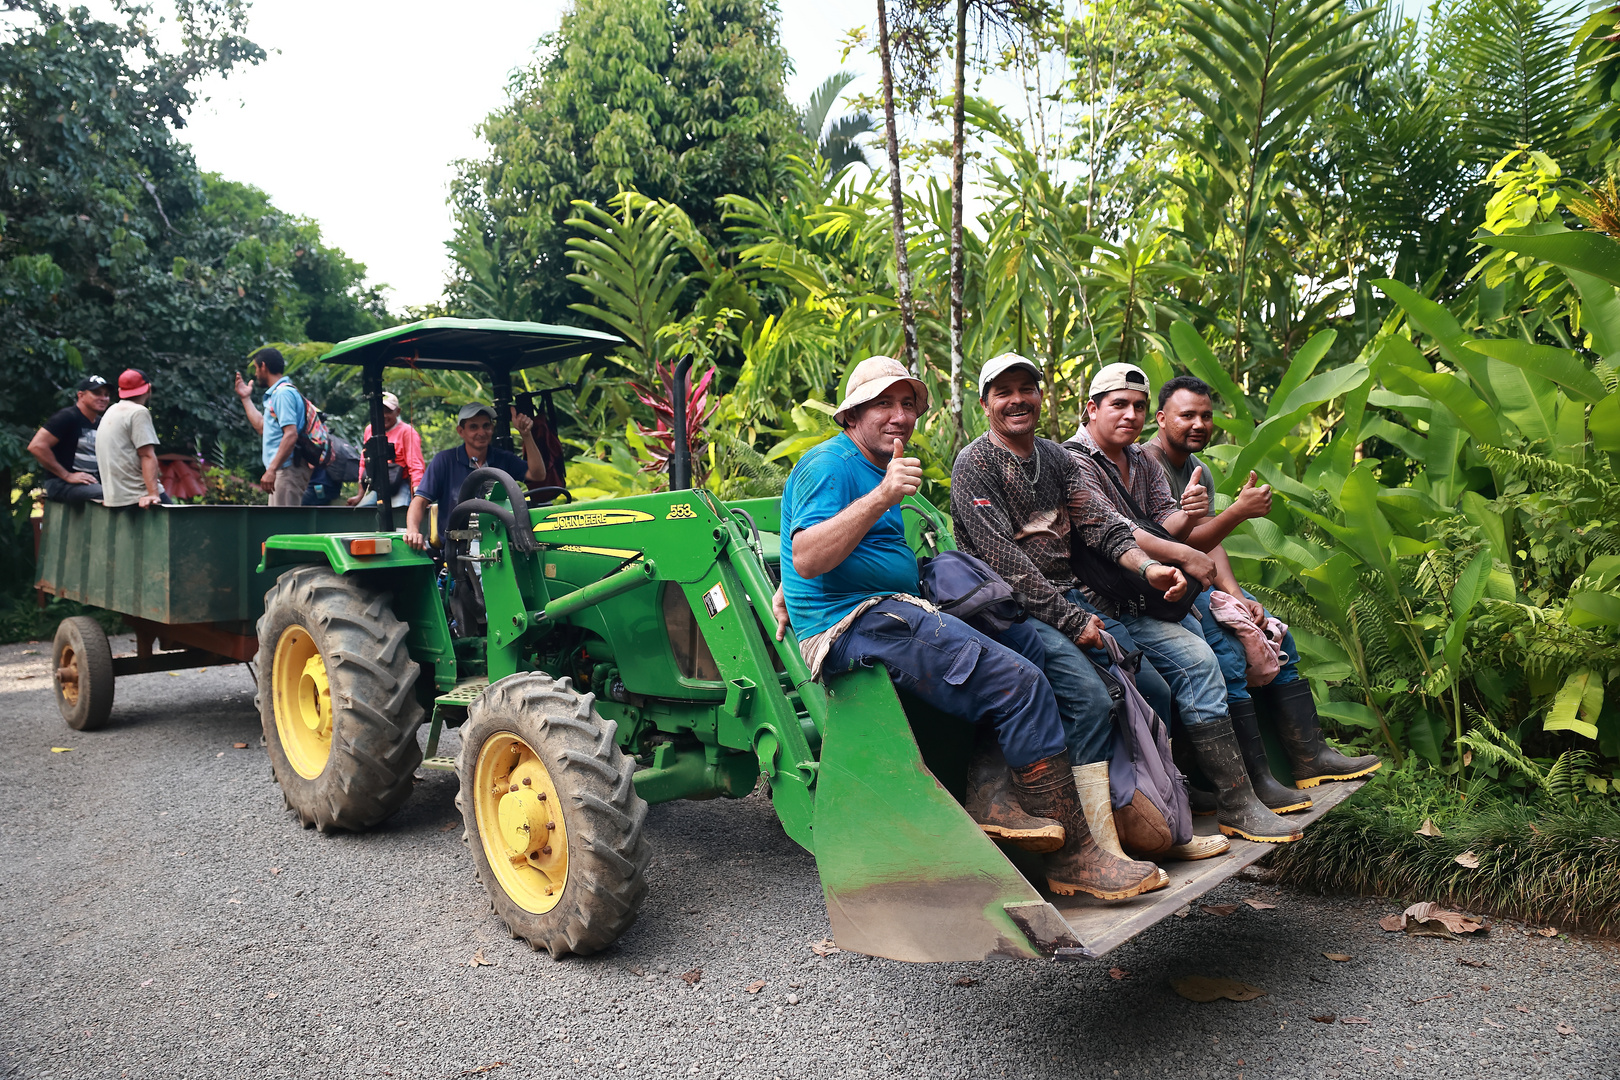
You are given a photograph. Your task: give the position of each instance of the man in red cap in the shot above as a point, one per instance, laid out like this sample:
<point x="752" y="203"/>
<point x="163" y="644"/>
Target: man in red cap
<point x="126" y="446"/>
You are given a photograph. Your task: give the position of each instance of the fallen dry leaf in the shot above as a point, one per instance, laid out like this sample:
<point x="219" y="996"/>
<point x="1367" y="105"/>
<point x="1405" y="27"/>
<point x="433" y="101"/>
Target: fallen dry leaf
<point x="1468" y="860"/>
<point x="1183" y="911"/>
<point x="1117" y="973"/>
<point x="1339" y="957"/>
<point x="1205" y="988"/>
<point x="1429" y="919"/>
<point x="1494" y="1024"/>
<point x="28" y="676"/>
<point x="447" y="826"/>
<point x="479" y="961"/>
<point x="275" y="869"/>
<point x="1217" y="909"/>
<point x="1393" y="923"/>
<point x="965" y="980"/>
<point x="1325" y="1018"/>
<point x="824" y="947"/>
<point x="1260" y="905"/>
<point x="270" y="995"/>
<point x="1354" y="1020"/>
<point x="754" y="987"/>
<point x="1522" y="1008"/>
<point x="1547" y="931"/>
<point x="1428" y="829"/>
<point x="1565" y="1029"/>
<point x="61" y="749"/>
<point x="238" y="746"/>
<point x="693" y="977"/>
<point x="1472" y="963"/>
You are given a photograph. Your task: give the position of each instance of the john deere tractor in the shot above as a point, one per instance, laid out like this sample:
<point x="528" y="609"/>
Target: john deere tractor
<point x="600" y="656"/>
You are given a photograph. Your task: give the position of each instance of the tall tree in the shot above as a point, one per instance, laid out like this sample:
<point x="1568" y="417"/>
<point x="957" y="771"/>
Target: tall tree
<point x="897" y="204"/>
<point x="683" y="102"/>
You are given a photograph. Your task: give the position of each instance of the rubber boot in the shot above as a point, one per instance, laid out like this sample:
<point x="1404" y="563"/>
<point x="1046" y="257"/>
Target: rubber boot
<point x="1199" y="847"/>
<point x="1238" y="811"/>
<point x="1309" y="756"/>
<point x="1203" y="802"/>
<point x="1097" y="803"/>
<point x="1202" y="799"/>
<point x="1246" y="726"/>
<point x="1046" y="789"/>
<point x="991" y="803"/>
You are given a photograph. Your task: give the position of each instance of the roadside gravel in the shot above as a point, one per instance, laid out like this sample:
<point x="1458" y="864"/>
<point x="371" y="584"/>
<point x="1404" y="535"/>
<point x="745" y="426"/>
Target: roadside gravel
<point x="163" y="916"/>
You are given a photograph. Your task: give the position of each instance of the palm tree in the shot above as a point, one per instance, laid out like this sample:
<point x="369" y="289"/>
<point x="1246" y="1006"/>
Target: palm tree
<point x="836" y="143"/>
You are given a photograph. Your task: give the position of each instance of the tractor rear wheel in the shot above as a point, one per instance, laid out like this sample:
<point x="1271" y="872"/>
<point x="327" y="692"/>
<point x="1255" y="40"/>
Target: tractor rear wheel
<point x="83" y="673"/>
<point x="337" y="699"/>
<point x="552" y="815"/>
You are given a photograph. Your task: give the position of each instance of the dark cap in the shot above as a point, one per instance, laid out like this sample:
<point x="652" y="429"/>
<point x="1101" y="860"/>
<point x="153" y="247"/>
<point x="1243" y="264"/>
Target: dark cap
<point x="92" y="382"/>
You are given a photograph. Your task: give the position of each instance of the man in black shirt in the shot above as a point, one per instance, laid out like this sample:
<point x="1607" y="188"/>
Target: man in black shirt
<point x="66" y="446"/>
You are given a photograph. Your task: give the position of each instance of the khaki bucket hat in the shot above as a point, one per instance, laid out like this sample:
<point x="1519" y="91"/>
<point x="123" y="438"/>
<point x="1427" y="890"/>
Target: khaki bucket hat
<point x="870" y="378"/>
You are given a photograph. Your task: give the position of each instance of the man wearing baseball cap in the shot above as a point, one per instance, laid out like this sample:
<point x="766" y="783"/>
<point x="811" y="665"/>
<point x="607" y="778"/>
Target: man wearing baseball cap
<point x="66" y="446"/>
<point x="442" y="479"/>
<point x="126" y="446"/>
<point x="849" y="588"/>
<point x="1118" y="469"/>
<point x="407" y="446"/>
<point x="1018" y="502"/>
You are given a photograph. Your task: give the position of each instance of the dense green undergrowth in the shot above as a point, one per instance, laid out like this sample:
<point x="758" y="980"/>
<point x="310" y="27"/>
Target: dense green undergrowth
<point x="22" y="619"/>
<point x="1542" y="861"/>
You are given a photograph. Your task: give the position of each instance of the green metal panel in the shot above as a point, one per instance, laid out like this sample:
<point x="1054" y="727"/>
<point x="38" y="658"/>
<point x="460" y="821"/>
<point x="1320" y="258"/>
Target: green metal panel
<point x="174" y="564"/>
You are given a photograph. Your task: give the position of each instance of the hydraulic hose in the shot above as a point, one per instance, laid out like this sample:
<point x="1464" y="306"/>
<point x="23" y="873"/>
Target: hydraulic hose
<point x="521" y="538"/>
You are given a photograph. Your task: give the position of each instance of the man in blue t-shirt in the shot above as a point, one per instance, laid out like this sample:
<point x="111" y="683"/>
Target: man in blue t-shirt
<point x="849" y="587"/>
<point x="441" y="481"/>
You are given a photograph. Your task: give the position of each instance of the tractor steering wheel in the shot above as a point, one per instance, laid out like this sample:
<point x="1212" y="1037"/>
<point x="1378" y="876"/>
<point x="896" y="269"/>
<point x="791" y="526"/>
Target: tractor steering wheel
<point x="533" y="494"/>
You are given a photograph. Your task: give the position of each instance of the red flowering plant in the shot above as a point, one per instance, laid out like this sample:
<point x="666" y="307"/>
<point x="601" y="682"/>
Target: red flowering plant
<point x="694" y="337"/>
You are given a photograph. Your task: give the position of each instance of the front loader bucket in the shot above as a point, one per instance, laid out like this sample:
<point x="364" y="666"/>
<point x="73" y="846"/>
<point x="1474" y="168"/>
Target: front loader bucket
<point x="906" y="873"/>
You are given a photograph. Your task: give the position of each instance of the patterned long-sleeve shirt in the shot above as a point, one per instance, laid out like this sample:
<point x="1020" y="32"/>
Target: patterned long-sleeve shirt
<point x="1146" y="483"/>
<point x="1017" y="516"/>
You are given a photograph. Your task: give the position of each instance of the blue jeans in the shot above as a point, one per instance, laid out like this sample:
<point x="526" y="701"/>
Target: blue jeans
<point x="957" y="670"/>
<point x="1082" y="697"/>
<point x="1180" y="655"/>
<point x="1229" y="650"/>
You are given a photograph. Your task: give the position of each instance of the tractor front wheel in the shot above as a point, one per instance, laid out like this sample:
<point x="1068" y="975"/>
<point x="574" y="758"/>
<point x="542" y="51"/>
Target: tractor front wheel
<point x="552" y="815"/>
<point x="83" y="673"/>
<point x="337" y="699"/>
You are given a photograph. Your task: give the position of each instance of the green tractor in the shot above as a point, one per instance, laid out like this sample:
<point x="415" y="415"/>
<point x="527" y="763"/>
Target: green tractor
<point x="601" y="656"/>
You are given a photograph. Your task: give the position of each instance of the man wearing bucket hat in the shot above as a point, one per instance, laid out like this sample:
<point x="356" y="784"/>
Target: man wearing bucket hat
<point x="441" y="480"/>
<point x="849" y="588"/>
<point x="1019" y="502"/>
<point x="1118" y="469"/>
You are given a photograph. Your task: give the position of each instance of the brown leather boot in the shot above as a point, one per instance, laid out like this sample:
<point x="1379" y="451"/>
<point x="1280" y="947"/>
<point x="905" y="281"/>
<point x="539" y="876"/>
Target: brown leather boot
<point x="991" y="803"/>
<point x="1046" y="789"/>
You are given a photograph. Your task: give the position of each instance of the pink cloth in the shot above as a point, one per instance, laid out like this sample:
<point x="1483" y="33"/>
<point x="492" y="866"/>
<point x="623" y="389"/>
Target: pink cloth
<point x="407" y="451"/>
<point x="1262" y="644"/>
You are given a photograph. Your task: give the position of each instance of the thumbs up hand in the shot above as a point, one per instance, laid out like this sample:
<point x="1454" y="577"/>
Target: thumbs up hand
<point x="1195" y="502"/>
<point x="1252" y="501"/>
<point x="903" y="476"/>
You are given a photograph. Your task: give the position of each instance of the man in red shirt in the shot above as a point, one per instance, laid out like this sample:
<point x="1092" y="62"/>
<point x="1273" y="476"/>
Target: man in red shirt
<point x="407" y="457"/>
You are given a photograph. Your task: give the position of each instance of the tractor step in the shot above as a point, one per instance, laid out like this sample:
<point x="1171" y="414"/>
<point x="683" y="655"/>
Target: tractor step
<point x="443" y="764"/>
<point x="464" y="693"/>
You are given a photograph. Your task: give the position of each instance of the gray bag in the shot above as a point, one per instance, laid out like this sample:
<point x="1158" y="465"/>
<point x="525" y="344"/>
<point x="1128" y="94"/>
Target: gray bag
<point x="1142" y="765"/>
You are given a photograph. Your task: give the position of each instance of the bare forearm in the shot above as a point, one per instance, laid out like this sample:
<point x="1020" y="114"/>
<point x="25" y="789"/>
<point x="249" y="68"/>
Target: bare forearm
<point x="1178" y="525"/>
<point x="1157" y="547"/>
<point x="149" y="470"/>
<point x="414" y="515"/>
<point x="1212" y="532"/>
<point x="47" y="460"/>
<point x="536" y="460"/>
<point x="254" y="417"/>
<point x="1225" y="579"/>
<point x="822" y="547"/>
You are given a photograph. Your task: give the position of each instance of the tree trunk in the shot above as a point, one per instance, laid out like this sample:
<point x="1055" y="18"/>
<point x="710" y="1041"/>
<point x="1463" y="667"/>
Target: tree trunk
<point x="958" y="432"/>
<point x="908" y="313"/>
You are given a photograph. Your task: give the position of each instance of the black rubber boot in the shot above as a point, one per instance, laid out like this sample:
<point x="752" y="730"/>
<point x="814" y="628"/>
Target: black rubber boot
<point x="1046" y="789"/>
<point x="1201" y="798"/>
<point x="1309" y="755"/>
<point x="1246" y="726"/>
<point x="1239" y="812"/>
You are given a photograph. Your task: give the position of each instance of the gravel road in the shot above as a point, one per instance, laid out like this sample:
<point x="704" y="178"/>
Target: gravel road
<point x="163" y="916"/>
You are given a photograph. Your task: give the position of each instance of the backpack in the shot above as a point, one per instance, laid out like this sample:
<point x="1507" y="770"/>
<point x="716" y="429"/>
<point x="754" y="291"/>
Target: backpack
<point x="1152" y="809"/>
<point x="961" y="585"/>
<point x="342" y="460"/>
<point x="314" y="440"/>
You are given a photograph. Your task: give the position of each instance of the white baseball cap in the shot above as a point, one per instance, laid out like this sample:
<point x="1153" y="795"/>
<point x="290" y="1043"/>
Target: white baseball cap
<point x="390" y="401"/>
<point x="995" y="367"/>
<point x="870" y="378"/>
<point x="1120" y="377"/>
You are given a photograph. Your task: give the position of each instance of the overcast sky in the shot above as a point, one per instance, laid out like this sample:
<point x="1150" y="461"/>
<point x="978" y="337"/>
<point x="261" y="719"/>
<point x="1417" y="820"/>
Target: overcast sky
<point x="362" y="107"/>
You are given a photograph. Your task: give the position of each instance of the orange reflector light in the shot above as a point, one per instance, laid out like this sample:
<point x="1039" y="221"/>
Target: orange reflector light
<point x="371" y="545"/>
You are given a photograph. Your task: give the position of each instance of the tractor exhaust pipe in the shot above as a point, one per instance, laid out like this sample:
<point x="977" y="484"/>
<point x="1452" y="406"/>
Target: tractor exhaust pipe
<point x="680" y="454"/>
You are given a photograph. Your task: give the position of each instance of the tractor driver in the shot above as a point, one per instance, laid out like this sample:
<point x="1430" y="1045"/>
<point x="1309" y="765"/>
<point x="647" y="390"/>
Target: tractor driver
<point x="850" y="585"/>
<point x="442" y="480"/>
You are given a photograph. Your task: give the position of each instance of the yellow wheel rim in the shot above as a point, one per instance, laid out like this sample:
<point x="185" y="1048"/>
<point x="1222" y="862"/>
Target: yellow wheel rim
<point x="67" y="676"/>
<point x="302" y="698"/>
<point x="520" y="823"/>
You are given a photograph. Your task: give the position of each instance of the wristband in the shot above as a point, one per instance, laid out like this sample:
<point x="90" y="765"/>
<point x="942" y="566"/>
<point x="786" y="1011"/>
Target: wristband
<point x="1143" y="569"/>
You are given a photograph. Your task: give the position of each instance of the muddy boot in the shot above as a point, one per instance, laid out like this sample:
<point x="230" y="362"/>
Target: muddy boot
<point x="991" y="803"/>
<point x="1238" y="812"/>
<point x="1201" y="798"/>
<point x="1097" y="804"/>
<point x="1246" y="726"/>
<point x="1199" y="847"/>
<point x="1203" y="802"/>
<point x="1309" y="755"/>
<point x="1046" y="789"/>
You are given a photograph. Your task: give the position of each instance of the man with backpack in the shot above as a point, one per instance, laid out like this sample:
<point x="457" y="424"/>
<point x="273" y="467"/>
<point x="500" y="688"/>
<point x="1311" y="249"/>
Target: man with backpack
<point x="286" y="474"/>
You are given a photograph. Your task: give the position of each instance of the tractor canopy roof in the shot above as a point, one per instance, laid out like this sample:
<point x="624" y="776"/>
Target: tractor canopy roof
<point x="487" y="345"/>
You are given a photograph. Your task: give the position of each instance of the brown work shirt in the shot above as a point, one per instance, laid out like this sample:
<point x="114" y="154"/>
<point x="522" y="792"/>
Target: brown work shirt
<point x="1017" y="515"/>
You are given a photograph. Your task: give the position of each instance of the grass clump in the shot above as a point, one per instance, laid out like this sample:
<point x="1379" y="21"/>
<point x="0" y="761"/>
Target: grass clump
<point x="1540" y="860"/>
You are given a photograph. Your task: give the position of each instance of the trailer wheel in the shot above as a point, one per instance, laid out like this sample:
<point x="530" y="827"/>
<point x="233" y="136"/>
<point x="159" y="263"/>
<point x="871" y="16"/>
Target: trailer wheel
<point x="552" y="815"/>
<point x="337" y="699"/>
<point x="84" y="673"/>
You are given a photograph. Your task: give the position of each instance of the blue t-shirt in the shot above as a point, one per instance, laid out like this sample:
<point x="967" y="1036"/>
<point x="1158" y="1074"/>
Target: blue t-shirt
<point x="442" y="479"/>
<point x="283" y="405"/>
<point x="825" y="481"/>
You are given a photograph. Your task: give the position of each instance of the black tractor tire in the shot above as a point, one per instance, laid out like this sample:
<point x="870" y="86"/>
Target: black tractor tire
<point x="603" y="817"/>
<point x="374" y="712"/>
<point x="82" y="673"/>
